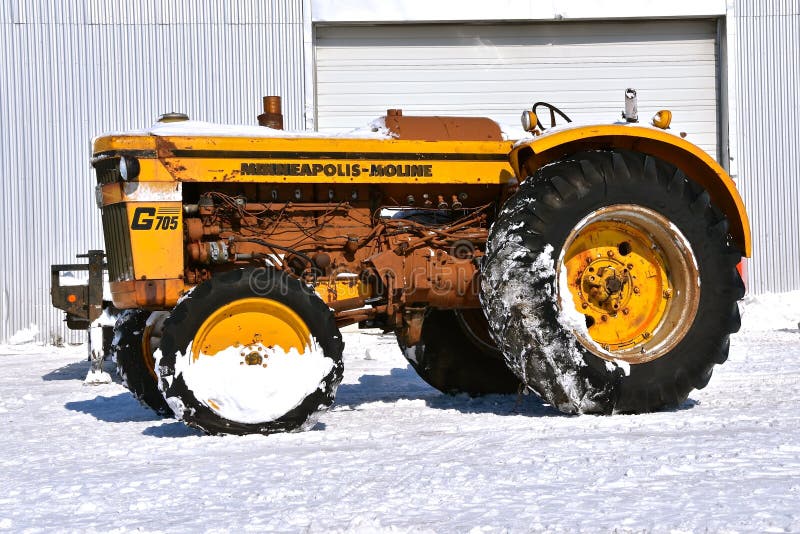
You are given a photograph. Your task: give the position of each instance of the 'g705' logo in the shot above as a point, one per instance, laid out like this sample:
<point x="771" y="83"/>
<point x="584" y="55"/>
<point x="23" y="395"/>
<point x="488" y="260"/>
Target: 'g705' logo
<point x="155" y="218"/>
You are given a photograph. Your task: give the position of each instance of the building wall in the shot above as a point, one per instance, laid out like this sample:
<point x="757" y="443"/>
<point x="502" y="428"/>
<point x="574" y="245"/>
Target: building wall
<point x="72" y="69"/>
<point x="768" y="87"/>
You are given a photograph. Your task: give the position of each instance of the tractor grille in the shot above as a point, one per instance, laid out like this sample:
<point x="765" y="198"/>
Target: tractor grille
<point x="107" y="171"/>
<point x="118" y="243"/>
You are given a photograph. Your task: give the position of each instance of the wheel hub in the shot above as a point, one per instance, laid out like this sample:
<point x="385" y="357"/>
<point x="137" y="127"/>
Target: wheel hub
<point x="254" y="358"/>
<point x="624" y="266"/>
<point x="606" y="282"/>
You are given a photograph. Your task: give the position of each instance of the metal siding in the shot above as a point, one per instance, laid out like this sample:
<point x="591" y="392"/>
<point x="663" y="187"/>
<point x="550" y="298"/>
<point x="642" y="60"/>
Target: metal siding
<point x="499" y="70"/>
<point x="768" y="36"/>
<point x="74" y="69"/>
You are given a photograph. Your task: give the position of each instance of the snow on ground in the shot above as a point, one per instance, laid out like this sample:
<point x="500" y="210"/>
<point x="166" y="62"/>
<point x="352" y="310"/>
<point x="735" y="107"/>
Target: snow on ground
<point x="394" y="455"/>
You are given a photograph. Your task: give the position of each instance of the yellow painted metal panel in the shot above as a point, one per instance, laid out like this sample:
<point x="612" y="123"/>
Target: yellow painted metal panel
<point x="320" y="160"/>
<point x="156" y="230"/>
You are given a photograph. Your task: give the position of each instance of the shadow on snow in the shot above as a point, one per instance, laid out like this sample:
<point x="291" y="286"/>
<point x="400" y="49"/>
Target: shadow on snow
<point x="121" y="408"/>
<point x="124" y="408"/>
<point x="71" y="371"/>
<point x="400" y="384"/>
<point x="405" y="384"/>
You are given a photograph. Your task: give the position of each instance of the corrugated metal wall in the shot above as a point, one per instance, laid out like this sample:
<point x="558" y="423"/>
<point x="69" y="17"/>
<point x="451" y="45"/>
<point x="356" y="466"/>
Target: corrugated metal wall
<point x="71" y="69"/>
<point x="768" y="88"/>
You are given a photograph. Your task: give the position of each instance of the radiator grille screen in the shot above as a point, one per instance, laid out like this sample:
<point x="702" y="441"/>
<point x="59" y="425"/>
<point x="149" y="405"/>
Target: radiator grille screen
<point x="118" y="243"/>
<point x="107" y="171"/>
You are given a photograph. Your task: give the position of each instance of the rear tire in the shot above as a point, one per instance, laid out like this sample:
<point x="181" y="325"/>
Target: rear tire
<point x="455" y="355"/>
<point x="538" y="318"/>
<point x="134" y="367"/>
<point x="223" y="365"/>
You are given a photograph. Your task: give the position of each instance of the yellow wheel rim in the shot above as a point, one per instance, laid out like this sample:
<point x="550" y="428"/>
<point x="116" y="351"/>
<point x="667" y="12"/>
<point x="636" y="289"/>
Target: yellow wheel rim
<point x="632" y="274"/>
<point x="151" y="340"/>
<point x="147" y="352"/>
<point x="251" y="323"/>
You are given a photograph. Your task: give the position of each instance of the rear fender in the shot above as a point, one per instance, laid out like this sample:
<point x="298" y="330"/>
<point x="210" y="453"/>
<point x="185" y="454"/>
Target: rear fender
<point x="530" y="154"/>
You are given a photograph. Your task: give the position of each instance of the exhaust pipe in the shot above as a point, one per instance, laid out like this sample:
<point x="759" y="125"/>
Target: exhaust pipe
<point x="272" y="116"/>
<point x="631" y="113"/>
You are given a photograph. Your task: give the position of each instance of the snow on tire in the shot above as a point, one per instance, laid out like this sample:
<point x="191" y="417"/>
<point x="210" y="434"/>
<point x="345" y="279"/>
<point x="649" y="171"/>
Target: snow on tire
<point x="250" y="351"/>
<point x="610" y="283"/>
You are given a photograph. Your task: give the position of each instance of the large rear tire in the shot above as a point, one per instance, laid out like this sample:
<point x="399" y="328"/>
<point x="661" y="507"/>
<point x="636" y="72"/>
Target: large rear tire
<point x="135" y="364"/>
<point x="250" y="351"/>
<point x="610" y="283"/>
<point x="455" y="355"/>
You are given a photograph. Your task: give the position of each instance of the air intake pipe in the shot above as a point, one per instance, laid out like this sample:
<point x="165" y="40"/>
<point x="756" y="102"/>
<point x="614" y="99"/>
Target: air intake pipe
<point x="272" y="116"/>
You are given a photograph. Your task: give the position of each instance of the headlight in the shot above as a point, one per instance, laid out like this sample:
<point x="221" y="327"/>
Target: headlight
<point x="128" y="168"/>
<point x="529" y="121"/>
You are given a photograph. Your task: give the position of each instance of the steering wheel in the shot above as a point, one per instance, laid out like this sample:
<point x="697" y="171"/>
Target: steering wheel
<point x="553" y="111"/>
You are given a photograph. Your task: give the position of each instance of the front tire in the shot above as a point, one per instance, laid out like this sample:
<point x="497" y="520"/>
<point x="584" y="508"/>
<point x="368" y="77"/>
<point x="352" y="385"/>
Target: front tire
<point x="250" y="351"/>
<point x="610" y="284"/>
<point x="135" y="364"/>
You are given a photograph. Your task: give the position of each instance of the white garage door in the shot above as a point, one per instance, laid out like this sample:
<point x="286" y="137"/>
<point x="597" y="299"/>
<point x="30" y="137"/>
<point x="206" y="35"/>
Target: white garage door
<point x="499" y="70"/>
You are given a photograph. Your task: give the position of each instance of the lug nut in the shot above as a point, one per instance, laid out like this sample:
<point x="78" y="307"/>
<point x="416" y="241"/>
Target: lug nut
<point x="625" y="311"/>
<point x="610" y="253"/>
<point x="636" y="290"/>
<point x="585" y="305"/>
<point x="646" y="335"/>
<point x="604" y="317"/>
<point x="630" y="266"/>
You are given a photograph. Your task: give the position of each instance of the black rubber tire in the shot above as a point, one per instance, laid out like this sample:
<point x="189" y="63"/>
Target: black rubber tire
<point x="545" y="354"/>
<point x="126" y="350"/>
<point x="182" y="324"/>
<point x="450" y="361"/>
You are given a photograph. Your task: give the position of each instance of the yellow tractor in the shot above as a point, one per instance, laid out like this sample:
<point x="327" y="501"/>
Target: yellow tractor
<point x="595" y="265"/>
